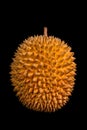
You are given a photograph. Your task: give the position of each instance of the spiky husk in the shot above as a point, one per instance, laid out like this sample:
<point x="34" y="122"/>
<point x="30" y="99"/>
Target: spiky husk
<point x="43" y="73"/>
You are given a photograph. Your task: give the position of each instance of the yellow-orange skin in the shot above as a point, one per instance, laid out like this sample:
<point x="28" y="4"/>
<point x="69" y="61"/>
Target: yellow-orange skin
<point x="43" y="73"/>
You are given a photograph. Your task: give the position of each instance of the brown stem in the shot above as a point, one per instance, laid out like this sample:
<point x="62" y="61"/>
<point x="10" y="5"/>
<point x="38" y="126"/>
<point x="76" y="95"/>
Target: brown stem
<point x="45" y="31"/>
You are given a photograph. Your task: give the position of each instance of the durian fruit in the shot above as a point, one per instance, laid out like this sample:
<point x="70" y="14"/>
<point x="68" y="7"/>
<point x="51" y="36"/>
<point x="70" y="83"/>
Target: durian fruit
<point x="43" y="73"/>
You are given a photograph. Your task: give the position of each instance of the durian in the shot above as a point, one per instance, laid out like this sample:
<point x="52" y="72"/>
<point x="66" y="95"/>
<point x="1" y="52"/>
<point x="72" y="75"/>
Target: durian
<point x="43" y="73"/>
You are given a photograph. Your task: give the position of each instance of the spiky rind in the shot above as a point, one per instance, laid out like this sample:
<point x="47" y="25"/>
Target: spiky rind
<point x="43" y="73"/>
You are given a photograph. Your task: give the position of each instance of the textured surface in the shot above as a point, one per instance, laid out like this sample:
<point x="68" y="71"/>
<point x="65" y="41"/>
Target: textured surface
<point x="42" y="73"/>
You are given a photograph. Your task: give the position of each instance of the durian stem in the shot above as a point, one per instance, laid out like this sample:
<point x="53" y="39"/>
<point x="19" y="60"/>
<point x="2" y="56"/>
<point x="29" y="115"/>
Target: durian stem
<point x="45" y="31"/>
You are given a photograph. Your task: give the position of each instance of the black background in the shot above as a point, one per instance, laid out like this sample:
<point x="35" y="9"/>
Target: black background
<point x="20" y="20"/>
